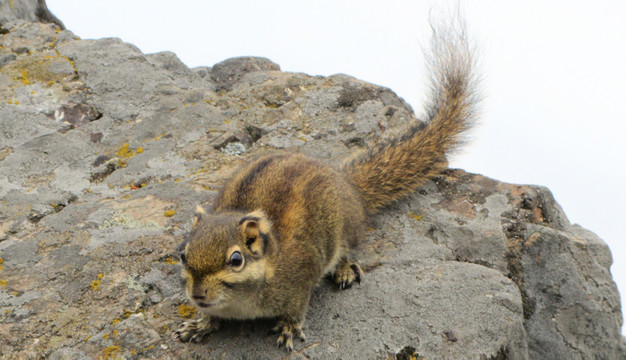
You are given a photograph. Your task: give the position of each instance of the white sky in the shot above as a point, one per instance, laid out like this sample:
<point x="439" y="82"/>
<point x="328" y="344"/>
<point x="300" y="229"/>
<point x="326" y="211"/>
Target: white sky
<point x="555" y="76"/>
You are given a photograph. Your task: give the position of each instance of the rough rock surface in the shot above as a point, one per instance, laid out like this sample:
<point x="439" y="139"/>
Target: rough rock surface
<point x="29" y="10"/>
<point x="105" y="152"/>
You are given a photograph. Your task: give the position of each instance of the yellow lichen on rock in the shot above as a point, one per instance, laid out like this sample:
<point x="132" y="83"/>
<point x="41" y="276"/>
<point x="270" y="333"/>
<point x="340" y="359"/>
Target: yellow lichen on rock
<point x="186" y="311"/>
<point x="170" y="261"/>
<point x="35" y="69"/>
<point x="24" y="77"/>
<point x="110" y="352"/>
<point x="124" y="151"/>
<point x="95" y="284"/>
<point x="415" y="216"/>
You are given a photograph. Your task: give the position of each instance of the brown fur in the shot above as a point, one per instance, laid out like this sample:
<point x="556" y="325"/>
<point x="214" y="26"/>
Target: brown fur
<point x="292" y="219"/>
<point x="393" y="169"/>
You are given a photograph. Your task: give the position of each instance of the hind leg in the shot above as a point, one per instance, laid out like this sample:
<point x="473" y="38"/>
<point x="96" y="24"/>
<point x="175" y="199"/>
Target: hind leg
<point x="347" y="273"/>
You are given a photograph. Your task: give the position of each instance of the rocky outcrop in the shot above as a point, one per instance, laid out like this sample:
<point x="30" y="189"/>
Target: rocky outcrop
<point x="105" y="152"/>
<point x="29" y="10"/>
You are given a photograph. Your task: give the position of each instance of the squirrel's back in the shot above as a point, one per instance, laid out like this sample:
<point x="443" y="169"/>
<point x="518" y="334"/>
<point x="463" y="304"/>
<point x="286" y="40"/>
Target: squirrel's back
<point x="305" y="199"/>
<point x="302" y="194"/>
<point x="296" y="191"/>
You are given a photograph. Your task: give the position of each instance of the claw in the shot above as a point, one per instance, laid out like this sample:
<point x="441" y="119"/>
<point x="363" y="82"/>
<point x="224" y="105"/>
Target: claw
<point x="357" y="272"/>
<point x="196" y="330"/>
<point x="347" y="273"/>
<point x="288" y="331"/>
<point x="299" y="334"/>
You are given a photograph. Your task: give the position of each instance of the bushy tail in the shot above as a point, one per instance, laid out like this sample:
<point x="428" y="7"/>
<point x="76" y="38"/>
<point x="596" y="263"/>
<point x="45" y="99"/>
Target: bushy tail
<point x="397" y="167"/>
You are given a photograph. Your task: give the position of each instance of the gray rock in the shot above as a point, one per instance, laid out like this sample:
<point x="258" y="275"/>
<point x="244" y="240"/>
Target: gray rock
<point x="6" y="58"/>
<point x="234" y="148"/>
<point x="29" y="10"/>
<point x="105" y="153"/>
<point x="68" y="354"/>
<point x="203" y="71"/>
<point x="228" y="72"/>
<point x="180" y="73"/>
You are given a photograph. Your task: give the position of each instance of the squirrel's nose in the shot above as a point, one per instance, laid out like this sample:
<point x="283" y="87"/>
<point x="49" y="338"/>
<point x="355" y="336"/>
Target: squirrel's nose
<point x="198" y="293"/>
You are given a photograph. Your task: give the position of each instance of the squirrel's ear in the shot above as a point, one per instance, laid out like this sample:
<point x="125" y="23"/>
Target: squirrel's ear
<point x="198" y="215"/>
<point x="255" y="228"/>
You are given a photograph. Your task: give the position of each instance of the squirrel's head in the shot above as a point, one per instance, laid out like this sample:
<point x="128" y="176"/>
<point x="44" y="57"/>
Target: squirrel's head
<point x="225" y="257"/>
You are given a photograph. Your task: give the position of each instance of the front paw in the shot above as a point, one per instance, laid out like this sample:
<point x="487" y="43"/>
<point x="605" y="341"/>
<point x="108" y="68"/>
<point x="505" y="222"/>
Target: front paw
<point x="288" y="330"/>
<point x="196" y="330"/>
<point x="347" y="273"/>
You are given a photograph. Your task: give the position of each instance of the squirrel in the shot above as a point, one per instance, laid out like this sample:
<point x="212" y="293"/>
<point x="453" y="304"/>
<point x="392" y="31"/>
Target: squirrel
<point x="283" y="222"/>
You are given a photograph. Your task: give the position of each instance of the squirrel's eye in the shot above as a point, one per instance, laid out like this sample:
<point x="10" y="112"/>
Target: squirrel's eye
<point x="183" y="258"/>
<point x="235" y="259"/>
